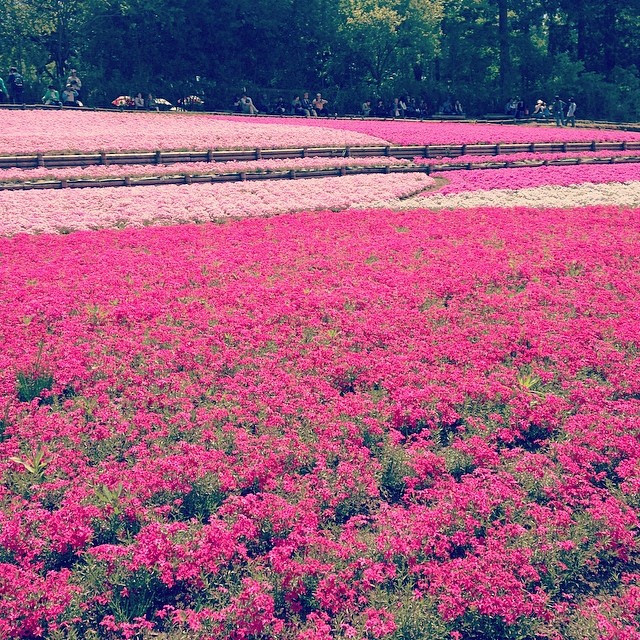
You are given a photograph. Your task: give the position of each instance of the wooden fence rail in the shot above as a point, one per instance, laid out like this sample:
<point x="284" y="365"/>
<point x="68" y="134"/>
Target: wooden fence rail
<point x="301" y="174"/>
<point x="52" y="161"/>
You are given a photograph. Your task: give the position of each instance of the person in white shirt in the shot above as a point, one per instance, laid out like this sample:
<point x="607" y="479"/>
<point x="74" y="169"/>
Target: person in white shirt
<point x="571" y="112"/>
<point x="75" y="82"/>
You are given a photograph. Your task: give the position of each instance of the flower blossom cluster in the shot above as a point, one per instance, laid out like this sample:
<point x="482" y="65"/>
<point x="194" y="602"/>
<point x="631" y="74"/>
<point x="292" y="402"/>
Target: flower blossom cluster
<point x="417" y="415"/>
<point x="544" y="186"/>
<point x="324" y="425"/>
<point x="409" y="132"/>
<point x="66" y="210"/>
<point x="527" y="177"/>
<point x="575" y="195"/>
<point x="569" y="186"/>
<point x="23" y="132"/>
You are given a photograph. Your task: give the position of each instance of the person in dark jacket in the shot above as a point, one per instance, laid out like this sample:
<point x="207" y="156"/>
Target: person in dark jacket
<point x="4" y="92"/>
<point x="558" y="111"/>
<point x="15" y="83"/>
<point x="307" y="105"/>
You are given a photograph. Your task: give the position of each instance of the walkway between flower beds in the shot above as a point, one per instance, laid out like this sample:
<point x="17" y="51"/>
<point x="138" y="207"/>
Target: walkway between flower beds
<point x="292" y="174"/>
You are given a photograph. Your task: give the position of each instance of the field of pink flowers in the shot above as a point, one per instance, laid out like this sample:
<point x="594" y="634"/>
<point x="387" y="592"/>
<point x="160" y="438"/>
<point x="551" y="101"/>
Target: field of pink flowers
<point x="67" y="210"/>
<point x="324" y="426"/>
<point x="354" y="422"/>
<point x="45" y="131"/>
<point x="407" y="132"/>
<point x="520" y="178"/>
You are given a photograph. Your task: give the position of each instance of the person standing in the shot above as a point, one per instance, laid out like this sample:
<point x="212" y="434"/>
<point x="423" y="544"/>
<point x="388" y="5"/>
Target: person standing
<point x="399" y="108"/>
<point x="558" y="111"/>
<point x="15" y="83"/>
<point x="4" y="92"/>
<point x="75" y="82"/>
<point x="571" y="112"/>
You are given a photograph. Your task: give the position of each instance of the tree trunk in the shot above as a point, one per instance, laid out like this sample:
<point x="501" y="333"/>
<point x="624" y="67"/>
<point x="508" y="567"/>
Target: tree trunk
<point x="610" y="39"/>
<point x="581" y="28"/>
<point x="503" y="36"/>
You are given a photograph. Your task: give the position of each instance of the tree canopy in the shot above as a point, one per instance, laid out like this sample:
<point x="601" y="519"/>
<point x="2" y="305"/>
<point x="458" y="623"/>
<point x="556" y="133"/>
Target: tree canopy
<point x="482" y="52"/>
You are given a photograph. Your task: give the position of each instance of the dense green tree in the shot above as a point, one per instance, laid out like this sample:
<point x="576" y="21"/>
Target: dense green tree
<point x="480" y="51"/>
<point x="390" y="37"/>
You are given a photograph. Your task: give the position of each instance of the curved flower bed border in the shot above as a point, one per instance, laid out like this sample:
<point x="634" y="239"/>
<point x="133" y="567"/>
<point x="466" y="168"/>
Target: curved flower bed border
<point x="67" y="210"/>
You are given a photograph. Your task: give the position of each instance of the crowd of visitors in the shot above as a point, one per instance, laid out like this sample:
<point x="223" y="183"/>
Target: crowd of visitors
<point x="12" y="91"/>
<point x="303" y="105"/>
<point x="564" y="113"/>
<point x="404" y="106"/>
<point x="70" y="96"/>
<point x="299" y="106"/>
<point x="409" y="107"/>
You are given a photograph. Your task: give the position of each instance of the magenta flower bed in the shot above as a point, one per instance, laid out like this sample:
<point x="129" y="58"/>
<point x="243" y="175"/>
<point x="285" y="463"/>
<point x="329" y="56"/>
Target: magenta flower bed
<point x="406" y="132"/>
<point x="324" y="425"/>
<point x="486" y="179"/>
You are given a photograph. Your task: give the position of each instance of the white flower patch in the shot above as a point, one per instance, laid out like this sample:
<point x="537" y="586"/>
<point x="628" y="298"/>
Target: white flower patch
<point x="625" y="194"/>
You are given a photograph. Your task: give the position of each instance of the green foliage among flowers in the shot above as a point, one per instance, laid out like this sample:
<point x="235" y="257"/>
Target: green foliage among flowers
<point x="370" y="424"/>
